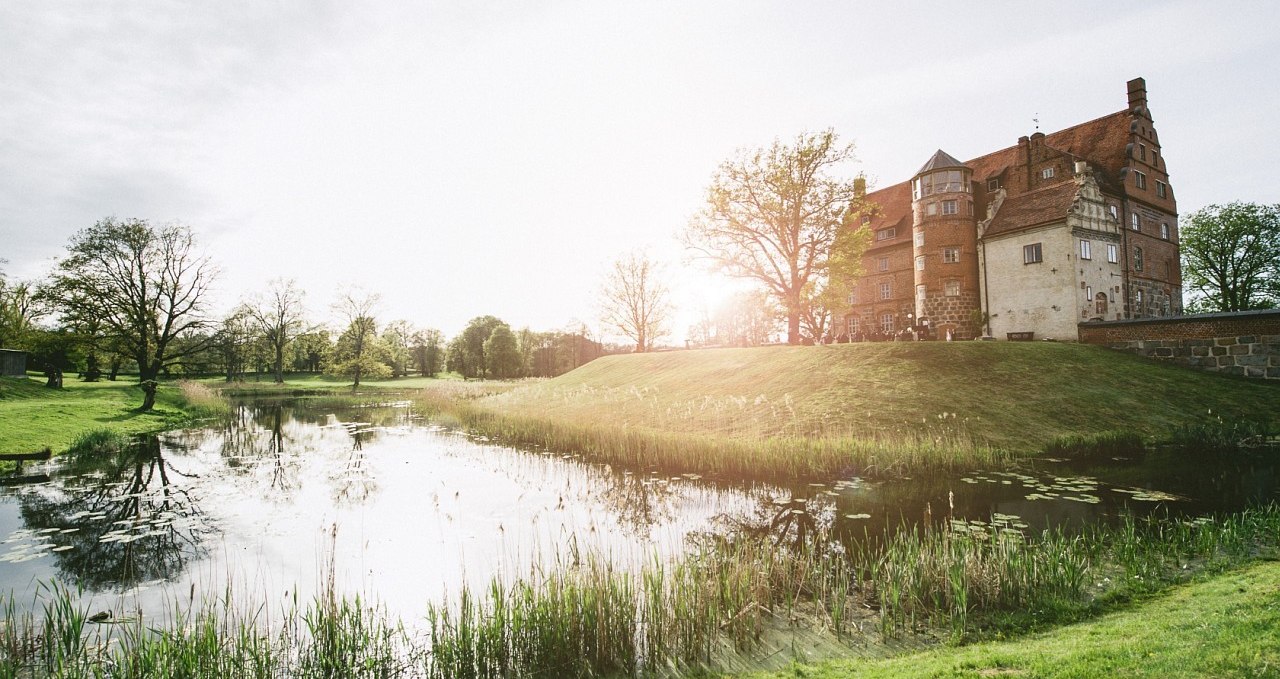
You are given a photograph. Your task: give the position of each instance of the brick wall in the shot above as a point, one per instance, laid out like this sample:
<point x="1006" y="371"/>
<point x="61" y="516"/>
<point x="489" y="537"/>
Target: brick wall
<point x="1245" y="343"/>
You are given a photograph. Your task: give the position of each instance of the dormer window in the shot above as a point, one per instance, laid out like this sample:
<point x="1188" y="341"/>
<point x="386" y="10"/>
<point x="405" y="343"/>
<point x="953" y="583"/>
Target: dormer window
<point x="993" y="184"/>
<point x="886" y="234"/>
<point x="1046" y="173"/>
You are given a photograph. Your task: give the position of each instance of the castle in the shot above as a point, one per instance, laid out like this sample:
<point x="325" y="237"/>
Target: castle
<point x="1029" y="241"/>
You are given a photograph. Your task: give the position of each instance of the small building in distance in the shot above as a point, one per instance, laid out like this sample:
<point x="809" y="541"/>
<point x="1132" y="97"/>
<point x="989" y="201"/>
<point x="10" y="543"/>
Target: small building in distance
<point x="1031" y="240"/>
<point x="13" y="363"/>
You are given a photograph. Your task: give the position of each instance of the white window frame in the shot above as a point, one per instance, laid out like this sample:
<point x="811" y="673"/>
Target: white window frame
<point x="886" y="323"/>
<point x="922" y="291"/>
<point x="950" y="207"/>
<point x="920" y="263"/>
<point x="1046" y="173"/>
<point x="1140" y="179"/>
<point x="1113" y="253"/>
<point x="882" y="264"/>
<point x="1135" y="222"/>
<point x="931" y="209"/>
<point x="1162" y="189"/>
<point x="1085" y="249"/>
<point x="886" y="290"/>
<point x="886" y="234"/>
<point x="851" y="325"/>
<point x="919" y="238"/>
<point x="951" y="288"/>
<point x="1164" y="230"/>
<point x="950" y="255"/>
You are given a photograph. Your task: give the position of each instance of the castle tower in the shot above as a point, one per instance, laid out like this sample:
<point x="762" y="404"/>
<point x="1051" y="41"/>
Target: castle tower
<point x="945" y="248"/>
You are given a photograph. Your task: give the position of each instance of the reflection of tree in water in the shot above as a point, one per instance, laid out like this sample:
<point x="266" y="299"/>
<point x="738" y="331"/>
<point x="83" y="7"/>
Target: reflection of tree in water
<point x="353" y="482"/>
<point x="255" y="439"/>
<point x="796" y="522"/>
<point x="123" y="515"/>
<point x="639" y="501"/>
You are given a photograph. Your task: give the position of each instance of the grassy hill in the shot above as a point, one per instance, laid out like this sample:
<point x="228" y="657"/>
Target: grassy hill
<point x="1012" y="397"/>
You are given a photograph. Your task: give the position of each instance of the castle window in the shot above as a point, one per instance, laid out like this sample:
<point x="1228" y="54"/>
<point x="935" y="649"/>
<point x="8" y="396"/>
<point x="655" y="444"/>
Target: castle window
<point x="1135" y="221"/>
<point x="1155" y="158"/>
<point x="921" y="292"/>
<point x="886" y="234"/>
<point x="950" y="255"/>
<point x="886" y="323"/>
<point x="1137" y="259"/>
<point x="1162" y="189"/>
<point x="1142" y="152"/>
<point x="993" y="184"/>
<point x="882" y="264"/>
<point x="1164" y="230"/>
<point x="851" y="298"/>
<point x="948" y="207"/>
<point x="1100" y="304"/>
<point x="920" y="263"/>
<point x="853" y="325"/>
<point x="920" y="238"/>
<point x="1140" y="179"/>
<point x="1137" y="298"/>
<point x="1113" y="253"/>
<point x="1114" y="213"/>
<point x="1084" y="250"/>
<point x="1046" y="173"/>
<point x="886" y="290"/>
<point x="931" y="209"/>
<point x="1088" y="292"/>
<point x="1031" y="254"/>
<point x="951" y="288"/>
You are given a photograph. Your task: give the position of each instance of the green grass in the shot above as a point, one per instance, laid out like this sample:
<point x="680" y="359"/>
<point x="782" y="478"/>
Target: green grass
<point x="1221" y="627"/>
<point x="34" y="417"/>
<point x="786" y="412"/>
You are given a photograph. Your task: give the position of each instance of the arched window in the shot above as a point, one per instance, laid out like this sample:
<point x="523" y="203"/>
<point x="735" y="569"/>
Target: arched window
<point x="1100" y="304"/>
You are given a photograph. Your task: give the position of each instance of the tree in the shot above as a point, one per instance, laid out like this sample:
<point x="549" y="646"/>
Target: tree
<point x="773" y="215"/>
<point x="397" y="340"/>
<point x="311" y="350"/>
<point x="428" y="351"/>
<point x="20" y="307"/>
<point x="353" y="353"/>
<point x="747" y="319"/>
<point x="280" y="317"/>
<point x="1231" y="256"/>
<point x="145" y="285"/>
<point x="502" y="354"/>
<point x="234" y="342"/>
<point x="634" y="301"/>
<point x="468" y="356"/>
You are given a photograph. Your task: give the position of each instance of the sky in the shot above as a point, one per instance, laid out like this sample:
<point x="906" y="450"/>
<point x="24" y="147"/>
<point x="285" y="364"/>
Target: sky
<point x="471" y="158"/>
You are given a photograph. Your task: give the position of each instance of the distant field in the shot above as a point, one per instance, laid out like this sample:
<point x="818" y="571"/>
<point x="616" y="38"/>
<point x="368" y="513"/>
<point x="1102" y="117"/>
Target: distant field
<point x="1014" y="396"/>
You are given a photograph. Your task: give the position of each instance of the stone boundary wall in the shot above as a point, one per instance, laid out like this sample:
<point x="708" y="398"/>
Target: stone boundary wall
<point x="1256" y="356"/>
<point x="1243" y="343"/>
<point x="1198" y="326"/>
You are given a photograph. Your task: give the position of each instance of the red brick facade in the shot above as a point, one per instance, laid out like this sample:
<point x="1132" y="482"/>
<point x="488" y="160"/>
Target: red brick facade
<point x="1025" y="186"/>
<point x="1200" y="326"/>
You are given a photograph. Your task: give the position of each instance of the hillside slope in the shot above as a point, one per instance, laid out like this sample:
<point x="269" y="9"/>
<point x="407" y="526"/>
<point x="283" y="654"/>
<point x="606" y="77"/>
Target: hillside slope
<point x="1016" y="396"/>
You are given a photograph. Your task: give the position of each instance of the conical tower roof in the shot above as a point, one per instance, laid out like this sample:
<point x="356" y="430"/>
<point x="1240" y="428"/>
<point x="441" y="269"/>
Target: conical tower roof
<point x="940" y="161"/>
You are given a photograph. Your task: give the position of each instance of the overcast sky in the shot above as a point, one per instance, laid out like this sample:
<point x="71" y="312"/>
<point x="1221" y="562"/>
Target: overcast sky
<point x="475" y="158"/>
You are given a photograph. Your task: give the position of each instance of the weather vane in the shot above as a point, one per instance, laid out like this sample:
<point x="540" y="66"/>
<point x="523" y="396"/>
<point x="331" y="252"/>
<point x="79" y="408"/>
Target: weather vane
<point x="1036" y="120"/>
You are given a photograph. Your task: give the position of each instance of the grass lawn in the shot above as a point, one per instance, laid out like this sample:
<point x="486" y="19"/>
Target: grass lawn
<point x="33" y="417"/>
<point x="1009" y="395"/>
<point x="1223" y="627"/>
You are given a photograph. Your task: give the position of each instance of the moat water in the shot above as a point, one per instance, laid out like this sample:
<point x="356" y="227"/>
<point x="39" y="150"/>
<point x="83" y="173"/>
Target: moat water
<point x="392" y="506"/>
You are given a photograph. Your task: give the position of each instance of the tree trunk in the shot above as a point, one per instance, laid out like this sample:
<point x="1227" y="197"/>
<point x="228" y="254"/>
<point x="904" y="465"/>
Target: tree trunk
<point x="147" y="380"/>
<point x="793" y="327"/>
<point x="279" y="364"/>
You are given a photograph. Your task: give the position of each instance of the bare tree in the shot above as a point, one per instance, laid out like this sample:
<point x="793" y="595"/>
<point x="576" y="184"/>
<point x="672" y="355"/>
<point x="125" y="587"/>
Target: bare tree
<point x="280" y="317"/>
<point x="145" y="285"/>
<point x="634" y="300"/>
<point x="775" y="214"/>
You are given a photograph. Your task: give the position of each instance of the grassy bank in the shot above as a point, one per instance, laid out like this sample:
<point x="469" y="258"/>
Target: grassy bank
<point x="33" y="417"/>
<point x="1220" y="627"/>
<point x="794" y="411"/>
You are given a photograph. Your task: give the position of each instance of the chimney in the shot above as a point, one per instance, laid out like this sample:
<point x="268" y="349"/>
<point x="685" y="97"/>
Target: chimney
<point x="859" y="186"/>
<point x="1137" y="93"/>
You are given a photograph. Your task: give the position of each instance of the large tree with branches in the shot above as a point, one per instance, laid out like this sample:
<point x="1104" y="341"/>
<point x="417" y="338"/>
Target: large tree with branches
<point x="280" y="317"/>
<point x="145" y="286"/>
<point x="1231" y="257"/>
<point x="634" y="300"/>
<point x="775" y="215"/>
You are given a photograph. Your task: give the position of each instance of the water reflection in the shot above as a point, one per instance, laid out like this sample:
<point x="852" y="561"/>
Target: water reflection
<point x="120" y="519"/>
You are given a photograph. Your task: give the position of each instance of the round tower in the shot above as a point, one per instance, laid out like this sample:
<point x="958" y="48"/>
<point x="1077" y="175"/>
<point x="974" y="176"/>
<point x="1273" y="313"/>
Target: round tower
<point x="945" y="249"/>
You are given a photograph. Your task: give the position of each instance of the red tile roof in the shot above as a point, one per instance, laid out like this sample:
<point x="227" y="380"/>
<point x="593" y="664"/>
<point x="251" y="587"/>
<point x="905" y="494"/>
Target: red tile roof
<point x="1101" y="142"/>
<point x="1033" y="208"/>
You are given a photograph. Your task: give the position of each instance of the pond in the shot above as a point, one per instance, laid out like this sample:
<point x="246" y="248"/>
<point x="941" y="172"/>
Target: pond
<point x="289" y="493"/>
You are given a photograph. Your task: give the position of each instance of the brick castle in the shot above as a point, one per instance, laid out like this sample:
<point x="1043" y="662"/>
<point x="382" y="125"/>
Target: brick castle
<point x="1059" y="229"/>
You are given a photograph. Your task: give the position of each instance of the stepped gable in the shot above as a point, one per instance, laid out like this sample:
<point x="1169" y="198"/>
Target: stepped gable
<point x="1033" y="208"/>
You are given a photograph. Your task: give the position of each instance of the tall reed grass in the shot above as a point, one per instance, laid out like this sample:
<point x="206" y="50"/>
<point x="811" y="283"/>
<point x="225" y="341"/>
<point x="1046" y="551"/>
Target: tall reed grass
<point x="723" y="602"/>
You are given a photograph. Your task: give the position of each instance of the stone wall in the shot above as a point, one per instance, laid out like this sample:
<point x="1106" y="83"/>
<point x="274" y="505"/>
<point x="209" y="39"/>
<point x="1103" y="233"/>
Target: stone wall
<point x="1245" y="343"/>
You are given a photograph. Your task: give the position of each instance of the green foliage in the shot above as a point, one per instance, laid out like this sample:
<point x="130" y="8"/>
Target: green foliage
<point x="466" y="352"/>
<point x="1231" y="256"/>
<point x="502" y="354"/>
<point x="777" y="215"/>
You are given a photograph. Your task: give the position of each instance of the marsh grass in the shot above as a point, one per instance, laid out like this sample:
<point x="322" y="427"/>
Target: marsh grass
<point x="199" y="400"/>
<point x="724" y="602"/>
